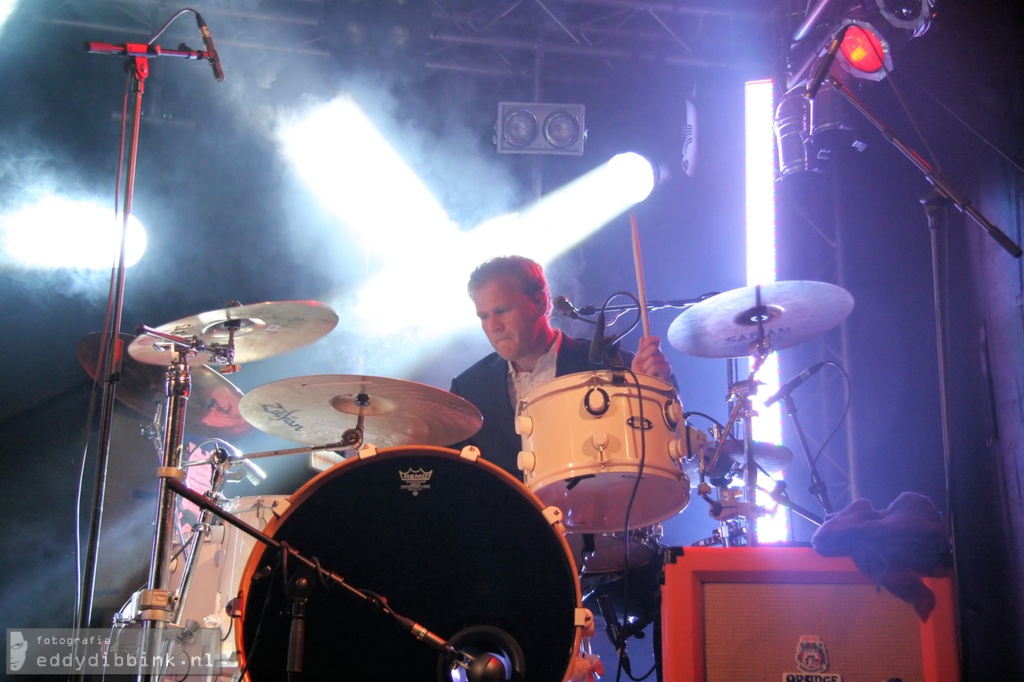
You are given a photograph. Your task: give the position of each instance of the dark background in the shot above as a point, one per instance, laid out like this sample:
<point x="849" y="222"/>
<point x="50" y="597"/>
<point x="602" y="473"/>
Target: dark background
<point x="228" y="219"/>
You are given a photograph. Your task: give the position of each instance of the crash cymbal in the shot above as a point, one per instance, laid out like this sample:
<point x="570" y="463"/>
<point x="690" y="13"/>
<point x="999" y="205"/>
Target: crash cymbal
<point x="729" y="325"/>
<point x="317" y="410"/>
<point x="262" y="330"/>
<point x="213" y="402"/>
<point x="771" y="458"/>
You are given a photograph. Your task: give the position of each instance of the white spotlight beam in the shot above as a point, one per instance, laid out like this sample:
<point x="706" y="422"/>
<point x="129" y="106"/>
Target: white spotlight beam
<point x="542" y="231"/>
<point x="359" y="176"/>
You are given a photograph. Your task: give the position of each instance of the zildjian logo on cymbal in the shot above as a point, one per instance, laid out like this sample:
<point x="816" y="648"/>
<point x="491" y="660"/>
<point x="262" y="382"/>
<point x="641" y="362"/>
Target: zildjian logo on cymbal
<point x="281" y="414"/>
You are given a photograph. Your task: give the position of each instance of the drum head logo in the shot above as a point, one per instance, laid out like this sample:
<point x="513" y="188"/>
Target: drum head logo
<point x="415" y="480"/>
<point x="811" y="655"/>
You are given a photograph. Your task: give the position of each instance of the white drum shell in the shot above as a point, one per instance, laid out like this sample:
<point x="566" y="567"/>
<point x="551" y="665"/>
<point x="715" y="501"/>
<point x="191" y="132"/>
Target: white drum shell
<point x="584" y="437"/>
<point x="217" y="575"/>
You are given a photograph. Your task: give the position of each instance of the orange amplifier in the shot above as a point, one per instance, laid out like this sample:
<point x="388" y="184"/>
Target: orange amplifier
<point x="788" y="614"/>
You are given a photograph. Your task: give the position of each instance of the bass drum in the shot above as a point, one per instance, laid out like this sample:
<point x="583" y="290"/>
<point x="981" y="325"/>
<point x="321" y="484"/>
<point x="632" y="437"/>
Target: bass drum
<point x="452" y="542"/>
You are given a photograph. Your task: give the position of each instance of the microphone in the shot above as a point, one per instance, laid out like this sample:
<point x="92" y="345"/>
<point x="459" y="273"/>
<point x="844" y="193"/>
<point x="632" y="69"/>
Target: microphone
<point x="211" y="51"/>
<point x="814" y="84"/>
<point x="565" y="306"/>
<point x="794" y="383"/>
<point x="562" y="305"/>
<point x="255" y="474"/>
<point x="230" y="454"/>
<point x="597" y="344"/>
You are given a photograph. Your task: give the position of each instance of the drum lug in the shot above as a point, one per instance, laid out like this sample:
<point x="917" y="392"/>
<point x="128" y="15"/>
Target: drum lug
<point x="470" y="452"/>
<point x="584" y="618"/>
<point x="367" y="451"/>
<point x="279" y="507"/>
<point x="553" y="515"/>
<point x="526" y="461"/>
<point x="524" y="426"/>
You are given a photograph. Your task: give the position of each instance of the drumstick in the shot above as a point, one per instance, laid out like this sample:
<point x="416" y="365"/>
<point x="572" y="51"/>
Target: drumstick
<point x="641" y="291"/>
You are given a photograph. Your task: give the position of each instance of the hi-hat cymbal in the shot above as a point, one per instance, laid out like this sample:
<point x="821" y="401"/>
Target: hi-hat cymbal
<point x="213" y="401"/>
<point x="262" y="330"/>
<point x="770" y="457"/>
<point x="318" y="409"/>
<point x="730" y="324"/>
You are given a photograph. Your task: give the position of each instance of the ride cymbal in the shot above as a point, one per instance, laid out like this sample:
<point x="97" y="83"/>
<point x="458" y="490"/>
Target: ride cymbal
<point x="731" y="324"/>
<point x="319" y="409"/>
<point x="261" y="330"/>
<point x="213" y="402"/>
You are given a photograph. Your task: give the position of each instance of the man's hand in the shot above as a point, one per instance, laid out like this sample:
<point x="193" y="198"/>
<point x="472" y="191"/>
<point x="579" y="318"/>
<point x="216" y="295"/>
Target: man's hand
<point x="650" y="360"/>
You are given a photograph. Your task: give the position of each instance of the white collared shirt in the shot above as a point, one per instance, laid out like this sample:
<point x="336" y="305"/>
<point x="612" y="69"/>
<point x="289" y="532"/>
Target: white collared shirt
<point x="520" y="381"/>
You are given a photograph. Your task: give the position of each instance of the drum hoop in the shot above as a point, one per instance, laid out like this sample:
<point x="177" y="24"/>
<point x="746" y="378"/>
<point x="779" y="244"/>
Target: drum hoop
<point x="579" y="380"/>
<point x="310" y="487"/>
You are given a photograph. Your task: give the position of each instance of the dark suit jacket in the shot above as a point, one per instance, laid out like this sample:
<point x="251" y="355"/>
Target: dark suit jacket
<point x="485" y="384"/>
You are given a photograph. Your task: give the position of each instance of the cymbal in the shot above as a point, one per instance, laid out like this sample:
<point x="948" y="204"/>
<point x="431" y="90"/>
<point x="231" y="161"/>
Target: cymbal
<point x="262" y="330"/>
<point x="771" y="458"/>
<point x="318" y="409"/>
<point x="728" y="325"/>
<point x="213" y="401"/>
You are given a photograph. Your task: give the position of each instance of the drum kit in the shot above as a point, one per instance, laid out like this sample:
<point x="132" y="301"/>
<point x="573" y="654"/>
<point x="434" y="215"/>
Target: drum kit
<point x="506" y="572"/>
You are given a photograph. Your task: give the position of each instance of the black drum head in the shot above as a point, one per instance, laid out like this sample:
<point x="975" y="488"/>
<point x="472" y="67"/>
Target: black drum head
<point x="457" y="546"/>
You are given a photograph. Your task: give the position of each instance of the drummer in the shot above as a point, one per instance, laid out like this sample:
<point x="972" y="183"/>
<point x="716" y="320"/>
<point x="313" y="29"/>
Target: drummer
<point x="513" y="303"/>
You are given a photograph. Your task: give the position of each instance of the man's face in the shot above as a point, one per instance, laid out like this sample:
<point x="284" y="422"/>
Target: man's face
<point x="515" y="323"/>
<point x="19" y="649"/>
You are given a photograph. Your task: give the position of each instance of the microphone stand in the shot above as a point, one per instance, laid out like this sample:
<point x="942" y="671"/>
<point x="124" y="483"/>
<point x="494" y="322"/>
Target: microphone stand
<point x="942" y="186"/>
<point x="114" y="351"/>
<point x="137" y="66"/>
<point x="942" y="192"/>
<point x="818" y="487"/>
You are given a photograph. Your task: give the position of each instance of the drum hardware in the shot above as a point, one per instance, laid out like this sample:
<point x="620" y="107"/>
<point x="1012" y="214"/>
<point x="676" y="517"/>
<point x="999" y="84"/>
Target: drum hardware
<point x="349" y="410"/>
<point x="213" y="398"/>
<point x="238" y="334"/>
<point x="731" y="533"/>
<point x="222" y="461"/>
<point x="742" y="411"/>
<point x="754" y="321"/>
<point x="482" y="667"/>
<point x="156" y="605"/>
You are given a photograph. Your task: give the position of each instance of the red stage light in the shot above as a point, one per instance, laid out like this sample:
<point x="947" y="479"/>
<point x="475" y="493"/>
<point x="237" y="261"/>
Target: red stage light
<point x="863" y="49"/>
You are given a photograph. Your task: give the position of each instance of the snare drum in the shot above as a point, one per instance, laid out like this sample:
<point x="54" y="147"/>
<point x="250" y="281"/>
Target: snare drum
<point x="583" y="439"/>
<point x="450" y="540"/>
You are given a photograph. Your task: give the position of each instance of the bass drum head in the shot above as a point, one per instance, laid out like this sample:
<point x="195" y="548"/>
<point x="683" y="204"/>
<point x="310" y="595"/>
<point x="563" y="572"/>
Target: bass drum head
<point x="458" y="546"/>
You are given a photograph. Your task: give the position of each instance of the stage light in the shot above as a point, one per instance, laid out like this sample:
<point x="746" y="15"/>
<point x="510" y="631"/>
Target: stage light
<point x="873" y="31"/>
<point x="864" y="53"/>
<point x="57" y="232"/>
<point x="539" y="128"/>
<point x="632" y="176"/>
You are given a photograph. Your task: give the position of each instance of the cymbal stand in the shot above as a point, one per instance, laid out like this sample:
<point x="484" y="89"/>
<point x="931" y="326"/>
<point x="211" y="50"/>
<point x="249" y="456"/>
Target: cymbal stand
<point x="155" y="603"/>
<point x="739" y="395"/>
